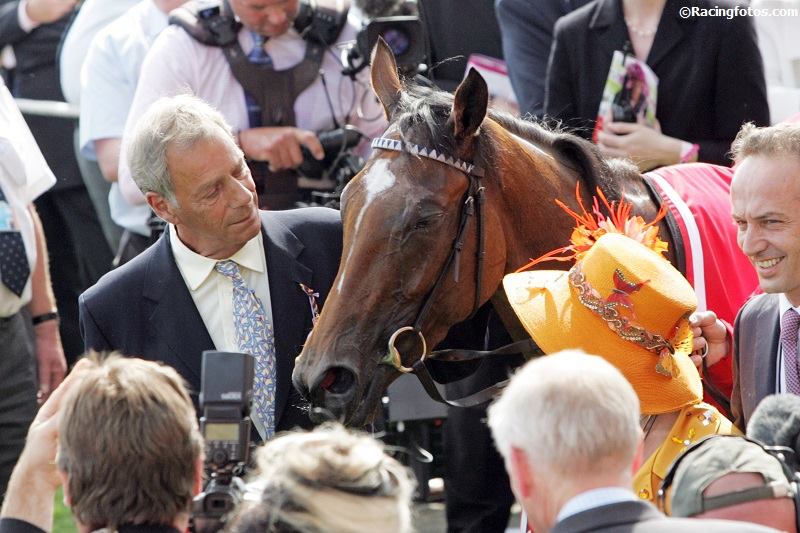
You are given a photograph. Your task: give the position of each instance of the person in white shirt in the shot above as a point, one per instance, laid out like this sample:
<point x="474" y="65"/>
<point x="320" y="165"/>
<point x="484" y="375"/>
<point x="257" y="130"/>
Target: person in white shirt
<point x="177" y="63"/>
<point x="29" y="333"/>
<point x="108" y="82"/>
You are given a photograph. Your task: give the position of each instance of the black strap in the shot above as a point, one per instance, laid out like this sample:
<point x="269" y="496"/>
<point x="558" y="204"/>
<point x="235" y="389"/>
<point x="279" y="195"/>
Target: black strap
<point x="457" y="355"/>
<point x="275" y="91"/>
<point x="467" y="211"/>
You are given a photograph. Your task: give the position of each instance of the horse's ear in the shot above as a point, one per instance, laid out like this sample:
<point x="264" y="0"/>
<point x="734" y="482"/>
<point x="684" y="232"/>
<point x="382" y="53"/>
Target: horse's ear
<point x="469" y="105"/>
<point x="383" y="72"/>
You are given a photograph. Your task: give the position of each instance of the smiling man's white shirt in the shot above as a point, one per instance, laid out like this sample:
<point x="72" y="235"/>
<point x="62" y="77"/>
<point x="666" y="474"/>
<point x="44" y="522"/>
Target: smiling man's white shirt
<point x="213" y="293"/>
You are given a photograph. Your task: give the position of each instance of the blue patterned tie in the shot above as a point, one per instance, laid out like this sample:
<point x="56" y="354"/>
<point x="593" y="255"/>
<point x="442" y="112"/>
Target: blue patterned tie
<point x="257" y="56"/>
<point x="14" y="267"/>
<point x="254" y="336"/>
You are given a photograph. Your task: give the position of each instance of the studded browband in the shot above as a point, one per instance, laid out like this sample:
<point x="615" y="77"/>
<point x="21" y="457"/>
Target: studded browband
<point x="415" y="149"/>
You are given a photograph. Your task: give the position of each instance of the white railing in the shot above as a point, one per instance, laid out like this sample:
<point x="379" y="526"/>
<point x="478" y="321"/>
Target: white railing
<point x="47" y="108"/>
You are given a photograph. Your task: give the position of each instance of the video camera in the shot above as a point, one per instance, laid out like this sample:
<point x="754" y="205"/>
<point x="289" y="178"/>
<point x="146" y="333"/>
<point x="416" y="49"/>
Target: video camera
<point x="340" y="164"/>
<point x="225" y="395"/>
<point x="404" y="33"/>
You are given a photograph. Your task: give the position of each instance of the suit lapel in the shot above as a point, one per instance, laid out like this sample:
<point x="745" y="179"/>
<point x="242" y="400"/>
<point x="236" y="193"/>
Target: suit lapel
<point x="175" y="318"/>
<point x="291" y="315"/>
<point x="670" y="33"/>
<point x="766" y="347"/>
<point x="608" y="23"/>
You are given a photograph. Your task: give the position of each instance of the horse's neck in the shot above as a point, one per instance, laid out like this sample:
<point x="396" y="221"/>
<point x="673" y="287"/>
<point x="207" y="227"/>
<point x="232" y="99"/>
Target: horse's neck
<point x="531" y="179"/>
<point x="646" y="203"/>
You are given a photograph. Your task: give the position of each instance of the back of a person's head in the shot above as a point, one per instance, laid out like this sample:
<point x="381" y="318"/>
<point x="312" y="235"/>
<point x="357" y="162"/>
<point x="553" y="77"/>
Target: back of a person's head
<point x="128" y="444"/>
<point x="572" y="414"/>
<point x="732" y="478"/>
<point x="329" y="480"/>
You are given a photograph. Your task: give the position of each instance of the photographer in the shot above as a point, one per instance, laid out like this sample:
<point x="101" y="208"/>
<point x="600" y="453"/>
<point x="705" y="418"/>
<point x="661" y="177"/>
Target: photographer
<point x="273" y="69"/>
<point x="129" y="451"/>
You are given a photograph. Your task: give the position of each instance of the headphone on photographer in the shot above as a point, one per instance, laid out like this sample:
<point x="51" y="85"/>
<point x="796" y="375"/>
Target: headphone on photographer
<point x="785" y="455"/>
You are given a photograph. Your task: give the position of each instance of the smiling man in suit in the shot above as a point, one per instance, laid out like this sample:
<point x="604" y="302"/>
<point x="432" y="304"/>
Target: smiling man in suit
<point x="765" y="200"/>
<point x="224" y="275"/>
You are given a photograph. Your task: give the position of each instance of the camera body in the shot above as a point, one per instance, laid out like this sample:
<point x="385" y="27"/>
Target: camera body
<point x="225" y="395"/>
<point x="398" y="23"/>
<point x="405" y="35"/>
<point x="339" y="164"/>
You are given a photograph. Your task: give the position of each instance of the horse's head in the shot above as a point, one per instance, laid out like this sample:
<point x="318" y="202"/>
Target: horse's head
<point x="401" y="217"/>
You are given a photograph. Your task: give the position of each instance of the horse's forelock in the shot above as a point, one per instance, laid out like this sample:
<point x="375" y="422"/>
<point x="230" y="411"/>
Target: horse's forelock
<point x="421" y="116"/>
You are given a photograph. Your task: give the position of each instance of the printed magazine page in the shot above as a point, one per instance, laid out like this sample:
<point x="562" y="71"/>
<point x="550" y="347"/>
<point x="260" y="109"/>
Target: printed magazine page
<point x="630" y="94"/>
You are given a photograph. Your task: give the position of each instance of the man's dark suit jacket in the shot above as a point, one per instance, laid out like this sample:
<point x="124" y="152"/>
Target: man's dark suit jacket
<point x="711" y="77"/>
<point x="756" y="333"/>
<point x="144" y="308"/>
<point x="642" y="517"/>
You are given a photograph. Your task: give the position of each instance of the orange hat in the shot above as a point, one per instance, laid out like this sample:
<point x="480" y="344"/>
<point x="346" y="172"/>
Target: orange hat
<point x="624" y="302"/>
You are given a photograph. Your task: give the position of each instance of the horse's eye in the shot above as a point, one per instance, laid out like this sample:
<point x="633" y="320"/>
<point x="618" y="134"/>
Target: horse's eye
<point x="426" y="222"/>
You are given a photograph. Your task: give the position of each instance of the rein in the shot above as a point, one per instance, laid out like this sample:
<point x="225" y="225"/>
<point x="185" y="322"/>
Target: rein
<point x="472" y="205"/>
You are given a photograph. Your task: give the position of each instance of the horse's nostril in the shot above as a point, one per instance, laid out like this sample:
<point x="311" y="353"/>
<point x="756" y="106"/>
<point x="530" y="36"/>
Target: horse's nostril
<point x="338" y="380"/>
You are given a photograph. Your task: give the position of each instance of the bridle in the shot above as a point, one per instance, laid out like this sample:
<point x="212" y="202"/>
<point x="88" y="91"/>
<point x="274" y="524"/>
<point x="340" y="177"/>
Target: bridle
<point x="472" y="205"/>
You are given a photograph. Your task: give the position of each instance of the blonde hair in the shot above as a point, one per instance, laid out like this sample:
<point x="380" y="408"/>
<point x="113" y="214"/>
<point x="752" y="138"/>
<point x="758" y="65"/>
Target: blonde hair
<point x="327" y="480"/>
<point x="781" y="139"/>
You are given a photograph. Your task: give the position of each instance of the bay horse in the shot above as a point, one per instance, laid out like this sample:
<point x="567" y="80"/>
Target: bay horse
<point x="453" y="197"/>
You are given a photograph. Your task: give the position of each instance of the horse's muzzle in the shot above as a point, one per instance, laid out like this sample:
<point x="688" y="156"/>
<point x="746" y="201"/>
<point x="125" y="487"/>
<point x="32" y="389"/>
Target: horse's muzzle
<point x="331" y="392"/>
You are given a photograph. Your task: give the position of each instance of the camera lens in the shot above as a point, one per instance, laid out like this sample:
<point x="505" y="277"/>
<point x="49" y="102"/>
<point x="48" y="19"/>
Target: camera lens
<point x="397" y="39"/>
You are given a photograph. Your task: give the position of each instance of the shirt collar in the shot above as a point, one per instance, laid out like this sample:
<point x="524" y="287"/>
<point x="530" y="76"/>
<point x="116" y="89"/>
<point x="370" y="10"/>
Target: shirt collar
<point x="784" y="304"/>
<point x="595" y="498"/>
<point x="196" y="268"/>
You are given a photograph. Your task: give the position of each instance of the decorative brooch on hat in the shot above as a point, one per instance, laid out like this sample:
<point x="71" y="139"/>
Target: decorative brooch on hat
<point x="616" y="310"/>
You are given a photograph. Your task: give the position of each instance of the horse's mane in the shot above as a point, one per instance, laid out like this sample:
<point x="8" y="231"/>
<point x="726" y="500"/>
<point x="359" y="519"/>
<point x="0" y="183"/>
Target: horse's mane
<point x="425" y="111"/>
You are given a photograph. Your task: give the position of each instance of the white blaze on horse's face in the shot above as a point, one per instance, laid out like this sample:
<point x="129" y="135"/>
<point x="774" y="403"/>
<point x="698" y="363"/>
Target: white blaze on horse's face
<point x="377" y="179"/>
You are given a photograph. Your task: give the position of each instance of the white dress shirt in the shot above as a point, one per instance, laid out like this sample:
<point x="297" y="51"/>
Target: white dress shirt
<point x="92" y="17"/>
<point x="212" y="292"/>
<point x="108" y="83"/>
<point x="783" y="306"/>
<point x="24" y="175"/>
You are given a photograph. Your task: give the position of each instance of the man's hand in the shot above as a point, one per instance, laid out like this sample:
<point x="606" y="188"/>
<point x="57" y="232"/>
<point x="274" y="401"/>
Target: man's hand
<point x="645" y="146"/>
<point x="50" y="360"/>
<point x="47" y="11"/>
<point x="279" y="146"/>
<point x="709" y="334"/>
<point x="33" y="483"/>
